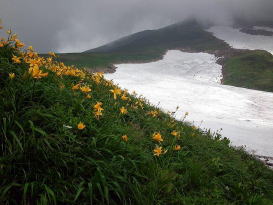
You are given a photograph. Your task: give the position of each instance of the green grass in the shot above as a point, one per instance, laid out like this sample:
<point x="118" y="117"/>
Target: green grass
<point x="102" y="60"/>
<point x="46" y="160"/>
<point x="252" y="69"/>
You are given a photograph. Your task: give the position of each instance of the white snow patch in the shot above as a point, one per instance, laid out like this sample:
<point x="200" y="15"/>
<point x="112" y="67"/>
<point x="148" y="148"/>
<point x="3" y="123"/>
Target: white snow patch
<point x="263" y="28"/>
<point x="237" y="39"/>
<point x="192" y="82"/>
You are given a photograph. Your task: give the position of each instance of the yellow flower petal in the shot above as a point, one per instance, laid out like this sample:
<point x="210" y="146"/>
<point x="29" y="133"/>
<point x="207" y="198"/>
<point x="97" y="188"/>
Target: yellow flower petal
<point x="157" y="137"/>
<point x="11" y="75"/>
<point x="123" y="110"/>
<point x="177" y="147"/>
<point x="124" y="138"/>
<point x="81" y="126"/>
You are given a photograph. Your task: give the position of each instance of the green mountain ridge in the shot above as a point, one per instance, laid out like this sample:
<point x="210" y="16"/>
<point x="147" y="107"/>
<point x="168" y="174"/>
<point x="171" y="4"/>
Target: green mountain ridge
<point x="190" y="36"/>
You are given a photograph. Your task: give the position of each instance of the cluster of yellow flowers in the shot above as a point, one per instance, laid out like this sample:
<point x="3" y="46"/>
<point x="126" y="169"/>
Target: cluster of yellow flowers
<point x="62" y="70"/>
<point x="36" y="72"/>
<point x="29" y="56"/>
<point x="98" y="110"/>
<point x="18" y="43"/>
<point x="97" y="77"/>
<point x="139" y="104"/>
<point x="158" y="150"/>
<point x="16" y="59"/>
<point x="116" y="92"/>
<point x="153" y="113"/>
<point x="85" y="89"/>
<point x="36" y="63"/>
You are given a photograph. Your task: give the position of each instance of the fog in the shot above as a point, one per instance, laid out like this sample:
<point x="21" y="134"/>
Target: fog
<point x="75" y="26"/>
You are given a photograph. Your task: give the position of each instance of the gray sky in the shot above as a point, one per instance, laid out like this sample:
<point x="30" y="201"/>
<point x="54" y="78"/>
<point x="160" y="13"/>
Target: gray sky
<point x="78" y="25"/>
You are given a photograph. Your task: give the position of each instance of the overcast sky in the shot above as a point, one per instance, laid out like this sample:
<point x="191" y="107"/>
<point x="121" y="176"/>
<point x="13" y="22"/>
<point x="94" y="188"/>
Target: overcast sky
<point x="78" y="25"/>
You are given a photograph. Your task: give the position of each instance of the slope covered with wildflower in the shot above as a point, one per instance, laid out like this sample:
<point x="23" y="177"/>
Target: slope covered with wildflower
<point x="71" y="137"/>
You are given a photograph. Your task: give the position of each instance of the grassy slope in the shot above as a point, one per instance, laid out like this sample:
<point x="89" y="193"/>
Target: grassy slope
<point x="44" y="161"/>
<point x="102" y="60"/>
<point x="252" y="69"/>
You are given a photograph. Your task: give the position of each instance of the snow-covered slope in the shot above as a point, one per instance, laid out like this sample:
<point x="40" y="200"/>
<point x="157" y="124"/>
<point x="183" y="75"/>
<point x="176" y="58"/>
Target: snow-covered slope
<point x="192" y="82"/>
<point x="263" y="28"/>
<point x="236" y="39"/>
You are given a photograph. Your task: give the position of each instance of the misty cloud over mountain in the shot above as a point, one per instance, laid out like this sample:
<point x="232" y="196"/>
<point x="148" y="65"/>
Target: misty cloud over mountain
<point x="75" y="26"/>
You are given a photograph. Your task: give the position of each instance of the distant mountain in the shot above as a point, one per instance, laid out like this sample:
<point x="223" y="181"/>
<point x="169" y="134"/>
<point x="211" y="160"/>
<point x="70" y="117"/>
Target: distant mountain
<point x="188" y="34"/>
<point x="241" y="67"/>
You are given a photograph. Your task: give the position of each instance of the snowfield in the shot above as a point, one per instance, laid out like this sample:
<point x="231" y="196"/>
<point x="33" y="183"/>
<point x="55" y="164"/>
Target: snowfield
<point x="192" y="82"/>
<point x="263" y="28"/>
<point x="236" y="39"/>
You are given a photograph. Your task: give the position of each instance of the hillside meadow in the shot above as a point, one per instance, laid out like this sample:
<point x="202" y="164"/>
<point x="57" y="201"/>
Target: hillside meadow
<point x="71" y="137"/>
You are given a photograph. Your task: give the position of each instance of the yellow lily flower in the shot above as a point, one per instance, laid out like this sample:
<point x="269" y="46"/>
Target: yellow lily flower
<point x="175" y="133"/>
<point x="16" y="59"/>
<point x="36" y="72"/>
<point x="81" y="126"/>
<point x="116" y="92"/>
<point x="157" y="137"/>
<point x="123" y="110"/>
<point x="52" y="54"/>
<point x="85" y="89"/>
<point x="123" y="97"/>
<point x="98" y="107"/>
<point x="177" y="147"/>
<point x="124" y="138"/>
<point x="76" y="87"/>
<point x="11" y="75"/>
<point x="158" y="151"/>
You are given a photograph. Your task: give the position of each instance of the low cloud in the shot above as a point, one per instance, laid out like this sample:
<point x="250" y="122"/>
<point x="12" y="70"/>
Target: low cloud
<point x="75" y="26"/>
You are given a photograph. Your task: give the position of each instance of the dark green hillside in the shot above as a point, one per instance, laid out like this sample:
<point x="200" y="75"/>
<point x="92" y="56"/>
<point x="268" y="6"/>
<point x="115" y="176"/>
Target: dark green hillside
<point x="100" y="61"/>
<point x="251" y="69"/>
<point x="188" y="34"/>
<point x="68" y="137"/>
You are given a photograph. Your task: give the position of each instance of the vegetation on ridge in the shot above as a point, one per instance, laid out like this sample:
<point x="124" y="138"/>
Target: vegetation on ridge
<point x="250" y="69"/>
<point x="242" y="68"/>
<point x="71" y="137"/>
<point x="147" y="46"/>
